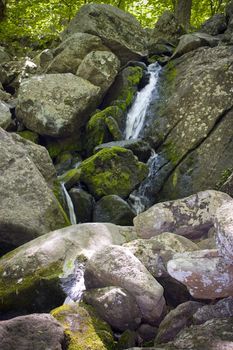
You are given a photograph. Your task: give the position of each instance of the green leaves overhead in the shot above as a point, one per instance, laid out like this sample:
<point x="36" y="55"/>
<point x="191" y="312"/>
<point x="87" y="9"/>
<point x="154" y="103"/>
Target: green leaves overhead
<point x="38" y="22"/>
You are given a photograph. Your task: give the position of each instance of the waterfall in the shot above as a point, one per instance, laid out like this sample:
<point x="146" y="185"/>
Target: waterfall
<point x="137" y="113"/>
<point x="139" y="199"/>
<point x="73" y="285"/>
<point x="70" y="205"/>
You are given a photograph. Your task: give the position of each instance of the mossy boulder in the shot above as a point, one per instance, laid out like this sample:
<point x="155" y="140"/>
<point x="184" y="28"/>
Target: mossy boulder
<point x="30" y="275"/>
<point x="83" y="204"/>
<point x="70" y="178"/>
<point x="29" y="135"/>
<point x="103" y="127"/>
<point x="113" y="209"/>
<point x="83" y="328"/>
<point x="112" y="171"/>
<point x="57" y="146"/>
<point x="123" y="90"/>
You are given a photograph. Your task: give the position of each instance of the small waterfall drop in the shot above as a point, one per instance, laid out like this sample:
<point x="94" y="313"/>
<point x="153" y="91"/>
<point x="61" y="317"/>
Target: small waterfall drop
<point x="73" y="285"/>
<point x="70" y="205"/>
<point x="137" y="113"/>
<point x="139" y="199"/>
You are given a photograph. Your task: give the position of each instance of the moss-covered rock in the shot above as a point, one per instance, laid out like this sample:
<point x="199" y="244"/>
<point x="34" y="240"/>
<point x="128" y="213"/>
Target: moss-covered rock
<point x="103" y="127"/>
<point x="56" y="146"/>
<point x="29" y="135"/>
<point x="83" y="328"/>
<point x="123" y="90"/>
<point x="70" y="178"/>
<point x="30" y="275"/>
<point x="112" y="171"/>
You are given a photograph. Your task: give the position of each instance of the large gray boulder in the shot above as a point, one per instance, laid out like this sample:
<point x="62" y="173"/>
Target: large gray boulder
<point x="203" y="272"/>
<point x="37" y="331"/>
<point x="117" y="266"/>
<point x="30" y="276"/>
<point x="100" y="68"/>
<point x="191" y="217"/>
<point x="28" y="207"/>
<point x="56" y="104"/>
<point x="196" y="115"/>
<point x="40" y="157"/>
<point x="70" y="53"/>
<point x="119" y="30"/>
<point x="215" y="25"/>
<point x="224" y="231"/>
<point x="5" y="115"/>
<point x="116" y="306"/>
<point x="154" y="253"/>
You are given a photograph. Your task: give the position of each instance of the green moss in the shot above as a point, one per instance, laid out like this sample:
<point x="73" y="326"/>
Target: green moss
<point x="170" y="72"/>
<point x="223" y="177"/>
<point x="25" y="293"/>
<point x="103" y="127"/>
<point x="57" y="146"/>
<point x="29" y="135"/>
<point x="83" y="328"/>
<point x="70" y="178"/>
<point x="171" y="152"/>
<point x="112" y="170"/>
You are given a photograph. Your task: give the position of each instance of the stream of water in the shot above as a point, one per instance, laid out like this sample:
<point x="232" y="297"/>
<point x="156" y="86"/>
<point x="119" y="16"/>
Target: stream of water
<point x="137" y="113"/>
<point x="70" y="205"/>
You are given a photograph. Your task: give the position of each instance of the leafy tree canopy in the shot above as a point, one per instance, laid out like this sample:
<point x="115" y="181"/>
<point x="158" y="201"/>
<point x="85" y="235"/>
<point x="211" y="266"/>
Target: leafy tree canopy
<point x="38" y="22"/>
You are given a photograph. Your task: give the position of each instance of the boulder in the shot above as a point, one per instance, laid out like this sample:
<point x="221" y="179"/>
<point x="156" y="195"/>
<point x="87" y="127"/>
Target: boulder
<point x="154" y="253"/>
<point x="29" y="135"/>
<point x="30" y="276"/>
<point x="83" y="328"/>
<point x="214" y="334"/>
<point x="204" y="273"/>
<point x="112" y="171"/>
<point x="37" y="331"/>
<point x="100" y="68"/>
<point x="224" y="231"/>
<point x="5" y="115"/>
<point x="70" y="53"/>
<point x="116" y="306"/>
<point x="166" y="28"/>
<point x="221" y="309"/>
<point x="118" y="30"/>
<point x="103" y="127"/>
<point x="83" y="204"/>
<point x="190" y="42"/>
<point x="117" y="266"/>
<point x="28" y="207"/>
<point x="195" y="109"/>
<point x="191" y="217"/>
<point x="176" y="320"/>
<point x="123" y="90"/>
<point x="139" y="147"/>
<point x="56" y="104"/>
<point x="113" y="209"/>
<point x="215" y="25"/>
<point x="40" y="156"/>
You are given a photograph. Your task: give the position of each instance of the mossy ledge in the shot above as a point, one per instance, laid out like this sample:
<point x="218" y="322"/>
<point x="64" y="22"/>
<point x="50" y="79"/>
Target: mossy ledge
<point x="83" y="328"/>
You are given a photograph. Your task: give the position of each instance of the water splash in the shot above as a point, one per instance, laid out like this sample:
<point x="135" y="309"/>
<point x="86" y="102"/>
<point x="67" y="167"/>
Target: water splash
<point x="70" y="205"/>
<point x="137" y="113"/>
<point x="142" y="198"/>
<point x="73" y="285"/>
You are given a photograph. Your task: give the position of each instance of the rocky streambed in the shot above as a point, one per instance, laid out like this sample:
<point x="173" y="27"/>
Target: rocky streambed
<point x="137" y="157"/>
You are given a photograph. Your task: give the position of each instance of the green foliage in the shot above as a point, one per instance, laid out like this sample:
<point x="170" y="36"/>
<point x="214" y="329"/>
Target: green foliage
<point x="37" y="23"/>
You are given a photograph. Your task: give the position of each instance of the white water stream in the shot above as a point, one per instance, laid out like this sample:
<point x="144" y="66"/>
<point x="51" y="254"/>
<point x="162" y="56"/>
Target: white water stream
<point x="70" y="205"/>
<point x="137" y="113"/>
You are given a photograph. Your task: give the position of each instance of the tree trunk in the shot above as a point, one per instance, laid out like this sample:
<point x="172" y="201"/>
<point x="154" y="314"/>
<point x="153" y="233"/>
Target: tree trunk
<point x="2" y="9"/>
<point x="183" y="12"/>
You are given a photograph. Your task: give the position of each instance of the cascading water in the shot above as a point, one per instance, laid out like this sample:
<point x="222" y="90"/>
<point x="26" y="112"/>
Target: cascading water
<point x="139" y="200"/>
<point x="73" y="285"/>
<point x="137" y="113"/>
<point x="69" y="205"/>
